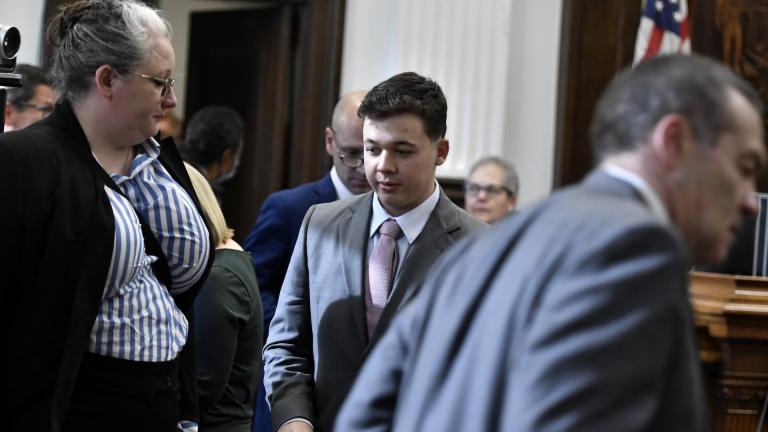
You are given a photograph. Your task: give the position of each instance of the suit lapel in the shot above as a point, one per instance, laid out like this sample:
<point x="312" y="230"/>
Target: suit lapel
<point x="353" y="236"/>
<point x="325" y="190"/>
<point x="434" y="239"/>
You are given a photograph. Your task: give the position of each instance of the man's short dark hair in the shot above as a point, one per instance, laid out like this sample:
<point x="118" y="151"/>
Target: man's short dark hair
<point x="692" y="86"/>
<point x="210" y="132"/>
<point x="32" y="76"/>
<point x="408" y="93"/>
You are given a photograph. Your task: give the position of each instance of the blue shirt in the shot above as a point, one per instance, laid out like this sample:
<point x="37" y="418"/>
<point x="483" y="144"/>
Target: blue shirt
<point x="138" y="319"/>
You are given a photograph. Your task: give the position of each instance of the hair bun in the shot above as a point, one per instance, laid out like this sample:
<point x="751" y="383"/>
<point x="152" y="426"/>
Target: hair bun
<point x="70" y="15"/>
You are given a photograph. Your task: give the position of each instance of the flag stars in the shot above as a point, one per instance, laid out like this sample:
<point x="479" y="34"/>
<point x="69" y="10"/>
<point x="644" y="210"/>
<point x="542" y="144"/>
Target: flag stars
<point x="659" y="5"/>
<point x="678" y="17"/>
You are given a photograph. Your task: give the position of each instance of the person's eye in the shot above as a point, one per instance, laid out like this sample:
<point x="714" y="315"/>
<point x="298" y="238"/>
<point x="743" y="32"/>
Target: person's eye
<point x="748" y="168"/>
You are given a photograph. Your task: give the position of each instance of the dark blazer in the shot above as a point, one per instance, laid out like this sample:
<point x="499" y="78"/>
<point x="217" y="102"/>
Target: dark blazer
<point x="272" y="238"/>
<point x="54" y="261"/>
<point x="571" y="316"/>
<point x="318" y="337"/>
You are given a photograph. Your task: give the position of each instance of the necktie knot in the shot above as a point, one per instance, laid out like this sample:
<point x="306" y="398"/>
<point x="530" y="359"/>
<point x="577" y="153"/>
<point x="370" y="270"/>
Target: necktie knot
<point x="390" y="228"/>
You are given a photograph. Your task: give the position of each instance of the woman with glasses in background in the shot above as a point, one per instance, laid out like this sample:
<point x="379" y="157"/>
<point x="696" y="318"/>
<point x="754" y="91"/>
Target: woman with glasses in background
<point x="107" y="246"/>
<point x="490" y="192"/>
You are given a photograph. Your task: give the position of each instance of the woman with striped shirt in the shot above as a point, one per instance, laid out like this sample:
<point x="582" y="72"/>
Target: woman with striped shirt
<point x="111" y="247"/>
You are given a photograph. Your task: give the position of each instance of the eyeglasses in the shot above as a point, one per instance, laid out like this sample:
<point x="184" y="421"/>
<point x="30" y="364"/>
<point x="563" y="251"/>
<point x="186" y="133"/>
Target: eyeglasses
<point x="493" y="190"/>
<point x="43" y="108"/>
<point x="164" y="83"/>
<point x="350" y="161"/>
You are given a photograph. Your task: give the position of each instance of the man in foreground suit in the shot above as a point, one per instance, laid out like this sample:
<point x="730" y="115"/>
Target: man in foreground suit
<point x="356" y="261"/>
<point x="271" y="241"/>
<point x="574" y="314"/>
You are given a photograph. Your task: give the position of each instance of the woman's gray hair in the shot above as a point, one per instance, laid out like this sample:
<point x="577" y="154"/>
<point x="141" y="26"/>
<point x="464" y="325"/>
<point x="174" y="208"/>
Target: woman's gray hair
<point x="90" y="33"/>
<point x="511" y="179"/>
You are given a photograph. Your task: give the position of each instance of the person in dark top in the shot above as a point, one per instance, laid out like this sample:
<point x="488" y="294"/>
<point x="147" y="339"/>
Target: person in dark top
<point x="229" y="326"/>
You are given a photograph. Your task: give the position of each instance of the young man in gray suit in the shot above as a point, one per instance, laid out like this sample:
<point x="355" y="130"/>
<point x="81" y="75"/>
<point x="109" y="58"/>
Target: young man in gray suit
<point x="574" y="315"/>
<point x="356" y="261"/>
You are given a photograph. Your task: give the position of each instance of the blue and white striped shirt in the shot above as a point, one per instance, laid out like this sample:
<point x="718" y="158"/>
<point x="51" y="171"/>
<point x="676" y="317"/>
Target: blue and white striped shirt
<point x="138" y="319"/>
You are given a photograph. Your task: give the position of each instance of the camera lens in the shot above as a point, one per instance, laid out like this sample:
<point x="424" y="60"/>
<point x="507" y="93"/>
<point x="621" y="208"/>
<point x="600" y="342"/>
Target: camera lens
<point x="11" y="40"/>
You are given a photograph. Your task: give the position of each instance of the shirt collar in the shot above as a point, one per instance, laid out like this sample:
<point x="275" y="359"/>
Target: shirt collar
<point x="341" y="189"/>
<point x="643" y="188"/>
<point x="412" y="221"/>
<point x="150" y="150"/>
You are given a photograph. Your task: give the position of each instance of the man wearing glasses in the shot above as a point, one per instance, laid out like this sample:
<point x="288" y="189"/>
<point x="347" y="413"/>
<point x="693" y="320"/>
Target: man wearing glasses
<point x="31" y="102"/>
<point x="271" y="241"/>
<point x="490" y="192"/>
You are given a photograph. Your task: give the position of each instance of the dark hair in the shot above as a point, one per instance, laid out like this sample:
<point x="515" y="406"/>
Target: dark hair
<point x="32" y="76"/>
<point x="90" y="33"/>
<point x="511" y="179"/>
<point x="408" y="93"/>
<point x="692" y="86"/>
<point x="211" y="131"/>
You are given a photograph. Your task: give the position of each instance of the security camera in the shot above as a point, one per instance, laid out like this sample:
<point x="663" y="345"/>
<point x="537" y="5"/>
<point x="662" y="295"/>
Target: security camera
<point x="10" y="40"/>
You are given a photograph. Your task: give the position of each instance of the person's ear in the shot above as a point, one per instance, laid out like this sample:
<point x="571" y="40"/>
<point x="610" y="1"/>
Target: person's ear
<point x="672" y="140"/>
<point x="442" y="148"/>
<point x="226" y="161"/>
<point x="330" y="143"/>
<point x="104" y="78"/>
<point x="511" y="202"/>
<point x="9" y="114"/>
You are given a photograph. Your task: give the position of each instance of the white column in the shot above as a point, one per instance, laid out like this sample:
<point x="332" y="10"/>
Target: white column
<point x="496" y="60"/>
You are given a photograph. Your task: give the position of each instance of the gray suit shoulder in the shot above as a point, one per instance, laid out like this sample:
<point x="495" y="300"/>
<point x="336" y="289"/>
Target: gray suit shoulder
<point x="457" y="222"/>
<point x="337" y="208"/>
<point x="469" y="222"/>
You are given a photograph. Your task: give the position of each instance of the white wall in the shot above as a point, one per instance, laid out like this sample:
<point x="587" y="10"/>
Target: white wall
<point x="497" y="61"/>
<point x="27" y="16"/>
<point x="178" y="14"/>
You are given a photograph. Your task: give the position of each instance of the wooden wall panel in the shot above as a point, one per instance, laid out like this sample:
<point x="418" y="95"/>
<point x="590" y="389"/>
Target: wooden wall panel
<point x="597" y="41"/>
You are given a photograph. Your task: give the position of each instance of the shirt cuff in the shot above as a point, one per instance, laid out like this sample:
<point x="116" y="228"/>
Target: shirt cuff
<point x="297" y="419"/>
<point x="186" y="426"/>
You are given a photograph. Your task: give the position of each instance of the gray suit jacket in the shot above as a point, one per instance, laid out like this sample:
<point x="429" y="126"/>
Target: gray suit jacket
<point x="571" y="316"/>
<point x="318" y="337"/>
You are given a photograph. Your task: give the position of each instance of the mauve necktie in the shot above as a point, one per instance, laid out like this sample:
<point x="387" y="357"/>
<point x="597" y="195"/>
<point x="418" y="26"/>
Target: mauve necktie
<point x="381" y="272"/>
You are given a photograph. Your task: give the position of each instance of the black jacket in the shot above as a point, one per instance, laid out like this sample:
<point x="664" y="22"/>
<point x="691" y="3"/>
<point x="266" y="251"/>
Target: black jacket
<point x="54" y="260"/>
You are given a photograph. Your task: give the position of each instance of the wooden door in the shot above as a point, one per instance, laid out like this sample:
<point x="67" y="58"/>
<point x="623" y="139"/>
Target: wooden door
<point x="242" y="59"/>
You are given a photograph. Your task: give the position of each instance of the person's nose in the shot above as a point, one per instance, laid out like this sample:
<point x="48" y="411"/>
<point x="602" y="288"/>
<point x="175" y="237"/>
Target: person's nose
<point x="749" y="201"/>
<point x="386" y="162"/>
<point x="169" y="101"/>
<point x="360" y="168"/>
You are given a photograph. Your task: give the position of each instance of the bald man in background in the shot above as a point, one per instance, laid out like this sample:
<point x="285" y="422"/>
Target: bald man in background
<point x="271" y="241"/>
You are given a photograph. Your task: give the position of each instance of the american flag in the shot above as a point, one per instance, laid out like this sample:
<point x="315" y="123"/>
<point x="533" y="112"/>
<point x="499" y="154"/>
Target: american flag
<point x="663" y="29"/>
